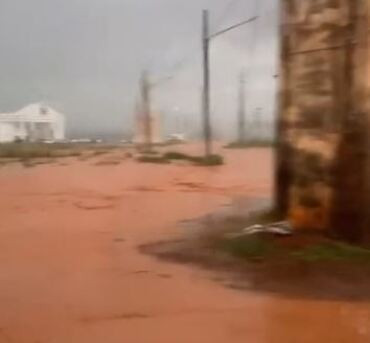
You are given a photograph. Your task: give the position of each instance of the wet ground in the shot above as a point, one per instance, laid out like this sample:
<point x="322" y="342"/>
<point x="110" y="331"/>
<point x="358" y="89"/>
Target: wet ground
<point x="71" y="270"/>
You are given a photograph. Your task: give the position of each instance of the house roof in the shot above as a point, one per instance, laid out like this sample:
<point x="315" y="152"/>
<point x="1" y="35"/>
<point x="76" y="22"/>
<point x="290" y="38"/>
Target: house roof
<point x="37" y="112"/>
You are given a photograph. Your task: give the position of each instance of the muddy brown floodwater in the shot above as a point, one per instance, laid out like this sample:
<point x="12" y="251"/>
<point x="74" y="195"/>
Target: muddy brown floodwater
<point x="71" y="272"/>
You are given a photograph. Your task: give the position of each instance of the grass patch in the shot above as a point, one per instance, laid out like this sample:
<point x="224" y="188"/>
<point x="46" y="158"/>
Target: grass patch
<point x="33" y="162"/>
<point x="99" y="152"/>
<point x="235" y="223"/>
<point x="75" y="153"/>
<point x="36" y="150"/>
<point x="290" y="249"/>
<point x="174" y="155"/>
<point x="212" y="160"/>
<point x="249" y="247"/>
<point x="58" y="150"/>
<point x="25" y="151"/>
<point x="301" y="246"/>
<point x="153" y="159"/>
<point x="302" y="265"/>
<point x="149" y="152"/>
<point x="250" y="144"/>
<point x="108" y="163"/>
<point x="333" y="251"/>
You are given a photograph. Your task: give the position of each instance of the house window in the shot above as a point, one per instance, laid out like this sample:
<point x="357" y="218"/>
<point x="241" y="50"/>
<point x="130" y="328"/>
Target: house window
<point x="43" y="110"/>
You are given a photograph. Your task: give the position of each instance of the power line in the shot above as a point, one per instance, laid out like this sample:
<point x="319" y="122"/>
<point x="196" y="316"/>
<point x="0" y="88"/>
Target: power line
<point x="233" y="27"/>
<point x="255" y="33"/>
<point x="224" y="14"/>
<point x="179" y="65"/>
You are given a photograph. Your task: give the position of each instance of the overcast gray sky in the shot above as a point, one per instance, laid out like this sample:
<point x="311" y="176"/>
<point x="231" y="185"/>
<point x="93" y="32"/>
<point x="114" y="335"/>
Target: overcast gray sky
<point x="85" y="56"/>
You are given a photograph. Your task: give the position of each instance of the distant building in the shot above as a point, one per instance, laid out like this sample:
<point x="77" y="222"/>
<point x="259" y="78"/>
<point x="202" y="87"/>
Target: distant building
<point x="35" y="122"/>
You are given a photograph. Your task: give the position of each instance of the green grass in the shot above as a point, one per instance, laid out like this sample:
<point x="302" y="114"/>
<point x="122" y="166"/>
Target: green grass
<point x="298" y="247"/>
<point x="333" y="251"/>
<point x="153" y="159"/>
<point x="40" y="150"/>
<point x="36" y="150"/>
<point x="174" y="155"/>
<point x="250" y="144"/>
<point x="262" y="248"/>
<point x="149" y="152"/>
<point x="30" y="162"/>
<point x="249" y="247"/>
<point x="212" y="160"/>
<point x="108" y="163"/>
<point x="25" y="151"/>
<point x="100" y="152"/>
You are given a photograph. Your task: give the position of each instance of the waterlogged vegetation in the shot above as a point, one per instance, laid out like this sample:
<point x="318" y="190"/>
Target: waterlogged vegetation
<point x="251" y="144"/>
<point x="168" y="157"/>
<point x="300" y="246"/>
<point x="32" y="154"/>
<point x="252" y="248"/>
<point x="37" y="150"/>
<point x="301" y="264"/>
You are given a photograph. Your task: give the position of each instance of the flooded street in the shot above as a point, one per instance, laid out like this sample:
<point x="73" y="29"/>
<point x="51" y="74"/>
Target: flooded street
<point x="71" y="271"/>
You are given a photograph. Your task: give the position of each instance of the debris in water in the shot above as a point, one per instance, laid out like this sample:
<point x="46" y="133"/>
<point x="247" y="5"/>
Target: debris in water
<point x="278" y="229"/>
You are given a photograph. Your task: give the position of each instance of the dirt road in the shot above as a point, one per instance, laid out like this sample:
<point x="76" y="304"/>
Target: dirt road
<point x="70" y="270"/>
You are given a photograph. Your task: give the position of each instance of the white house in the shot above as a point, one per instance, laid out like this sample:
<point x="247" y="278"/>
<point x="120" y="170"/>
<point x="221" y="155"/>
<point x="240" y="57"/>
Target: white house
<point x="35" y="122"/>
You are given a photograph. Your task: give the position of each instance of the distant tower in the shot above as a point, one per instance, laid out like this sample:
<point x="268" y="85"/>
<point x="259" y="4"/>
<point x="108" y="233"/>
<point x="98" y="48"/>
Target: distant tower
<point x="140" y="134"/>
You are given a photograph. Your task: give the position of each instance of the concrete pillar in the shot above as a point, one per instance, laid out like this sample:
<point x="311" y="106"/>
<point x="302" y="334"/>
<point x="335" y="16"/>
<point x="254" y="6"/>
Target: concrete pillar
<point x="322" y="176"/>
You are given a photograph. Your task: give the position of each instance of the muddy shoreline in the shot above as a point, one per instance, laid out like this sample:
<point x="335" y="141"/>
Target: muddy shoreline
<point x="319" y="280"/>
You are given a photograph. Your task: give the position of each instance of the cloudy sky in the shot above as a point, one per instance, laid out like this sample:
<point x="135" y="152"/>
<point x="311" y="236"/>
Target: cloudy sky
<point x="84" y="57"/>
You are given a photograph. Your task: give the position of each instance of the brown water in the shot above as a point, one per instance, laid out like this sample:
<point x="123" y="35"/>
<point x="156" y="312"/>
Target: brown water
<point x="70" y="270"/>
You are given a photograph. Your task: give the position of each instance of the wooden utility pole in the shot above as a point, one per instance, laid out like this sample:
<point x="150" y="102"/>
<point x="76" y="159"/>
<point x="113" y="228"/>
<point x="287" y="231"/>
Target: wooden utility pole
<point x="241" y="109"/>
<point x="206" y="91"/>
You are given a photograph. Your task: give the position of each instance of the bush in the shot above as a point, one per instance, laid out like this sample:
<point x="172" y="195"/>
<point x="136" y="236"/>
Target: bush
<point x="21" y="150"/>
<point x="153" y="159"/>
<point x="333" y="251"/>
<point x="36" y="150"/>
<point x="251" y="144"/>
<point x="249" y="247"/>
<point x="211" y="160"/>
<point x="174" y="155"/>
<point x="99" y="152"/>
<point x="149" y="152"/>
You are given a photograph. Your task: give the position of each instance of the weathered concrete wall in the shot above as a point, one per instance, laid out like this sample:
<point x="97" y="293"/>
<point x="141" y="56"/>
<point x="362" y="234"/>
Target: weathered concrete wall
<point x="322" y="179"/>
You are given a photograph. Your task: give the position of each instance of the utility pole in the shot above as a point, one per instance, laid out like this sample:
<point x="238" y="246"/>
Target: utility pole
<point x="146" y="108"/>
<point x="206" y="91"/>
<point x="241" y="110"/>
<point x="257" y="124"/>
<point x="206" y="38"/>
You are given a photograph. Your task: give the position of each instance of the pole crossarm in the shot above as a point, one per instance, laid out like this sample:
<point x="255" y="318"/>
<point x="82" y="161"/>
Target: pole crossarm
<point x="233" y="27"/>
<point x="159" y="82"/>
